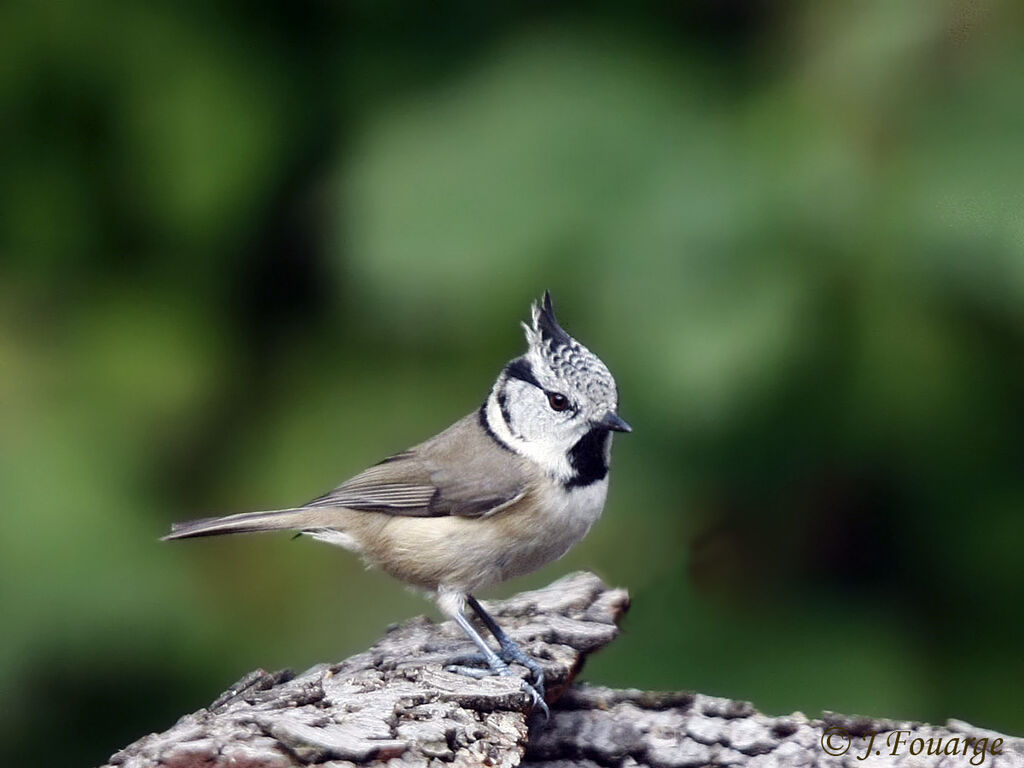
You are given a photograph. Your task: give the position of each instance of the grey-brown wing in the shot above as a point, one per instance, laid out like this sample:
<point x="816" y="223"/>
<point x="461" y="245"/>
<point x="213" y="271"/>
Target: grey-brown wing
<point x="461" y="472"/>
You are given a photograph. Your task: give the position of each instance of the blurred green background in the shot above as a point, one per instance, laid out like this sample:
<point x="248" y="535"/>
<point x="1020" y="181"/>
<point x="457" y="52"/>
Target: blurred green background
<point x="248" y="249"/>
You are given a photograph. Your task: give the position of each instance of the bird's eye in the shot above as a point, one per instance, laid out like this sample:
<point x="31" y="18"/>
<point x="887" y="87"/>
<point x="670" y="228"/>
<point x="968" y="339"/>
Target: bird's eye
<point x="557" y="401"/>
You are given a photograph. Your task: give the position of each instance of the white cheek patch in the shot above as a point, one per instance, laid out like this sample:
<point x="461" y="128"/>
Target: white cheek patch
<point x="550" y="455"/>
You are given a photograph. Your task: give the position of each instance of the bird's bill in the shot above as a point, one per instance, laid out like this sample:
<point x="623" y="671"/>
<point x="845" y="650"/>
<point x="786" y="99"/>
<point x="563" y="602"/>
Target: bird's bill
<point x="613" y="421"/>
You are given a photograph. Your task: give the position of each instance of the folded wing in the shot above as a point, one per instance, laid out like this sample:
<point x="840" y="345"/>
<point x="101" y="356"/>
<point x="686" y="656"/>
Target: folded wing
<point x="460" y="472"/>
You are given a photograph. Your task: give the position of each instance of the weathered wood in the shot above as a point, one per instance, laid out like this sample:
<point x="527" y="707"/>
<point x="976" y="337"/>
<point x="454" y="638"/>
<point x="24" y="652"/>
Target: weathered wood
<point x="593" y="726"/>
<point x="396" y="700"/>
<point x="395" y="704"/>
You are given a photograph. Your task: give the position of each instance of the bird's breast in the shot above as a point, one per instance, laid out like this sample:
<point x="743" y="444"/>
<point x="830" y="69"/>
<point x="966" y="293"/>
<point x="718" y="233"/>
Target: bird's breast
<point x="576" y="509"/>
<point x="551" y="523"/>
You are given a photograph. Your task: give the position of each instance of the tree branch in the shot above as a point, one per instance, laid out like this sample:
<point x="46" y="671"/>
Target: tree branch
<point x="396" y="704"/>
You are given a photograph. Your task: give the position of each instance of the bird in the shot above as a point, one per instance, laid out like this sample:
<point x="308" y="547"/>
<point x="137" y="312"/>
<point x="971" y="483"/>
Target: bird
<point x="503" y="491"/>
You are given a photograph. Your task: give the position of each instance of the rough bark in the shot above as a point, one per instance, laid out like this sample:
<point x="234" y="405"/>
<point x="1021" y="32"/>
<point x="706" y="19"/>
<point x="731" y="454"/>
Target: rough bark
<point x="395" y="704"/>
<point x="593" y="727"/>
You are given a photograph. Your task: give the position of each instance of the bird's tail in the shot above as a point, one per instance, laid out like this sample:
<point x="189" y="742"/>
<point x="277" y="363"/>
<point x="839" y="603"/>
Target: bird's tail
<point x="299" y="519"/>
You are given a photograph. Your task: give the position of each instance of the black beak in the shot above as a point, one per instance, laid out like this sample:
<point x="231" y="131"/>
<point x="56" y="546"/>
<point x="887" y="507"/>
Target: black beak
<point x="612" y="421"/>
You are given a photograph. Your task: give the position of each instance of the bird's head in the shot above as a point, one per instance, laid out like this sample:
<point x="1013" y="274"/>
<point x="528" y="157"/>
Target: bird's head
<point x="558" y="394"/>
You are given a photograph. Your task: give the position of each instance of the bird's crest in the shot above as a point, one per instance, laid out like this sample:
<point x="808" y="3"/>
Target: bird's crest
<point x="555" y="353"/>
<point x="546" y="329"/>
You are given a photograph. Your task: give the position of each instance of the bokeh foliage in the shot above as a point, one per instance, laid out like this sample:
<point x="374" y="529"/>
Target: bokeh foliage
<point x="247" y="250"/>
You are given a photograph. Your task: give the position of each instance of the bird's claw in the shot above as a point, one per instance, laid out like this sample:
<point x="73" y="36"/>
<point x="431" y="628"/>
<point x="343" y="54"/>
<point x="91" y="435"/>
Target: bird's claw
<point x="477" y="673"/>
<point x="470" y="660"/>
<point x="537" y="699"/>
<point x="511" y="655"/>
<point x="534" y="690"/>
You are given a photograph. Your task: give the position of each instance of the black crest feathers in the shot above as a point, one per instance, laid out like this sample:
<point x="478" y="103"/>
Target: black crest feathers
<point x="546" y="323"/>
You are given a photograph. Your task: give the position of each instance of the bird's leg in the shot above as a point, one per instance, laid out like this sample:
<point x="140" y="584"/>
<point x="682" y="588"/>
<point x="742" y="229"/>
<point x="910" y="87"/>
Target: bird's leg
<point x="510" y="650"/>
<point x="497" y="666"/>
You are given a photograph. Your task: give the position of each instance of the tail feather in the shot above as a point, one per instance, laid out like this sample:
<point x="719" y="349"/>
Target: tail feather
<point x="301" y="518"/>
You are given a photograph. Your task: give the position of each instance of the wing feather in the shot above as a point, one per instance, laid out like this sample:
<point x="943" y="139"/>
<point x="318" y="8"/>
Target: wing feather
<point x="460" y="472"/>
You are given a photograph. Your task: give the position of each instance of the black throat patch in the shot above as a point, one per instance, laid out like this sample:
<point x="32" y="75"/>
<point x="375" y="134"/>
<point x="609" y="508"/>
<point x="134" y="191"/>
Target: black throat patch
<point x="587" y="458"/>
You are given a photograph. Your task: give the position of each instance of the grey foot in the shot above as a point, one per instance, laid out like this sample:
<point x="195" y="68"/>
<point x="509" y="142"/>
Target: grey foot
<point x="460" y="666"/>
<point x="535" y="691"/>
<point x="513" y="654"/>
<point x="509" y="655"/>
